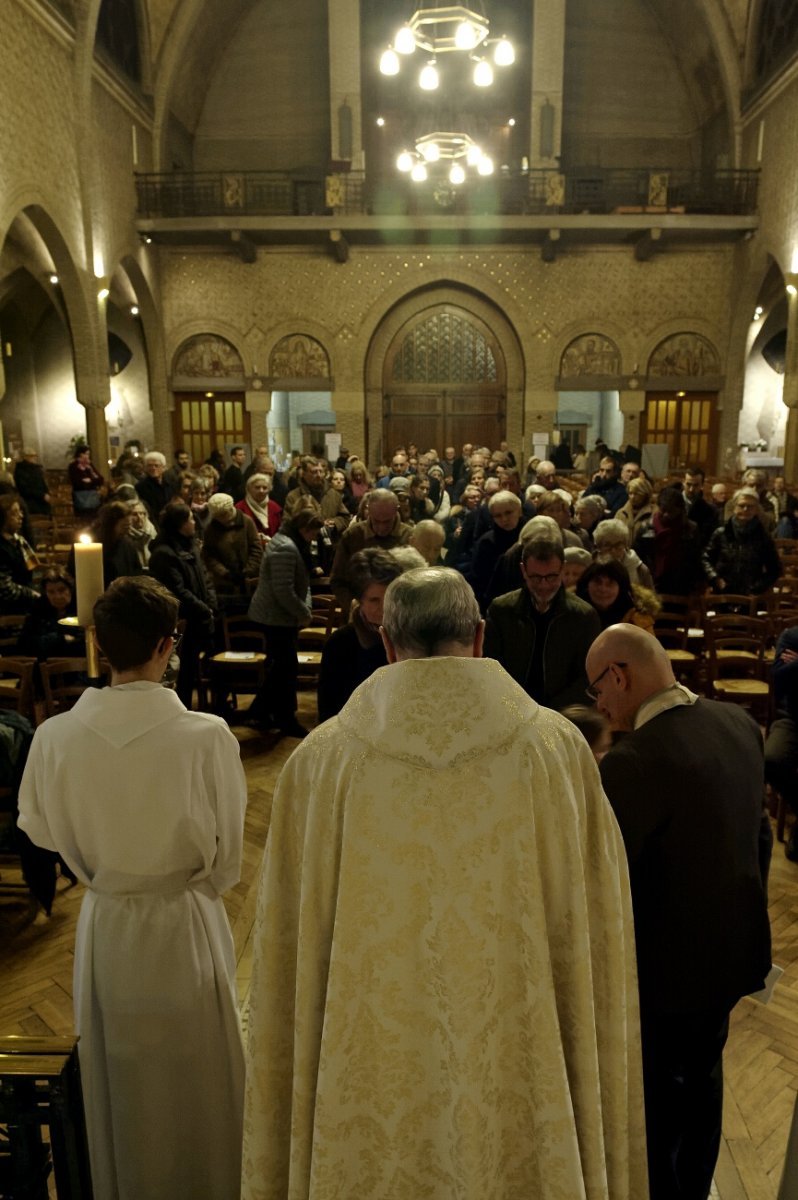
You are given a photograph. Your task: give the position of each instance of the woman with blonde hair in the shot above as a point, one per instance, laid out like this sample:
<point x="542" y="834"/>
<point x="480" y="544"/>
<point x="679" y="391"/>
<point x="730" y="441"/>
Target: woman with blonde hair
<point x="638" y="508"/>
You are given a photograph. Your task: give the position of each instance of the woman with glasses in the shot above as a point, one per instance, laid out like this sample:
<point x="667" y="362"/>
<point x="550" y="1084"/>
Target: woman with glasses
<point x="611" y="538"/>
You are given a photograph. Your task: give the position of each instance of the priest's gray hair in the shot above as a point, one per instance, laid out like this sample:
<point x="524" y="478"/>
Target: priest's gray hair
<point x="428" y="609"/>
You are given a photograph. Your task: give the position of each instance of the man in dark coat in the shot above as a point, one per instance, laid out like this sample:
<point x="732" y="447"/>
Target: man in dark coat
<point x="233" y="479"/>
<point x="703" y="515"/>
<point x="541" y="633"/>
<point x="686" y="784"/>
<point x="607" y="485"/>
<point x="153" y="488"/>
<point x="31" y="484"/>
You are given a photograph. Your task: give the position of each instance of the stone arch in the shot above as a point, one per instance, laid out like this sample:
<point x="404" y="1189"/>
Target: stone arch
<point x="757" y="74"/>
<point x="590" y="354"/>
<point x="215" y="328"/>
<point x="684" y="353"/>
<point x="297" y="360"/>
<point x="472" y="304"/>
<point x="207" y="358"/>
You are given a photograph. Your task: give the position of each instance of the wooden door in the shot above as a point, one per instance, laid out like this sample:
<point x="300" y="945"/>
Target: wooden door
<point x="688" y="424"/>
<point x="443" y="383"/>
<point x="203" y="422"/>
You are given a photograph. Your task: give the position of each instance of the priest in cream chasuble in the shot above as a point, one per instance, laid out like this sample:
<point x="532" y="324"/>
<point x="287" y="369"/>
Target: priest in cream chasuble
<point x="444" y="998"/>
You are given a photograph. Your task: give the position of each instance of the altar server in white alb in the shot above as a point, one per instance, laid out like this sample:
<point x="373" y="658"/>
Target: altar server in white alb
<point x="145" y="802"/>
<point x="444" y="998"/>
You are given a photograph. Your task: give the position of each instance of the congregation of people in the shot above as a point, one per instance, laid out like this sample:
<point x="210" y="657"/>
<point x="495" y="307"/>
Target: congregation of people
<point x="491" y="623"/>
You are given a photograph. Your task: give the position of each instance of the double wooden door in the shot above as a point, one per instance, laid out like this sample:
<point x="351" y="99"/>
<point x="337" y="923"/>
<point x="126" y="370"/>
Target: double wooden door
<point x="687" y="424"/>
<point x="203" y="422"/>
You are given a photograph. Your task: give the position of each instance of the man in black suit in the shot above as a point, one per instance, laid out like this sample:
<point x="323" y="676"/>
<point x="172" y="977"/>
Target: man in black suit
<point x="686" y="784"/>
<point x="233" y="478"/>
<point x="704" y="515"/>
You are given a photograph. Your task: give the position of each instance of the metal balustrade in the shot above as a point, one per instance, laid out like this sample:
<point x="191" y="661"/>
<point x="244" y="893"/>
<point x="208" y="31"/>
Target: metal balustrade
<point x="593" y="190"/>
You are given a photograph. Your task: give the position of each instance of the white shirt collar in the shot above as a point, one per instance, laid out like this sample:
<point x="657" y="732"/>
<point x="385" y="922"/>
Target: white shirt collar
<point x="670" y="697"/>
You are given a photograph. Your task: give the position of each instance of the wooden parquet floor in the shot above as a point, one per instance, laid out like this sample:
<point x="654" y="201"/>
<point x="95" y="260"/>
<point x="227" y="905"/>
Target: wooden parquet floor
<point x="761" y="1060"/>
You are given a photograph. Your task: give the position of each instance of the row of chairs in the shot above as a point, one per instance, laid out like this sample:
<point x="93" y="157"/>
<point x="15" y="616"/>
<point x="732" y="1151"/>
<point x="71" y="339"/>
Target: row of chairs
<point x="61" y="681"/>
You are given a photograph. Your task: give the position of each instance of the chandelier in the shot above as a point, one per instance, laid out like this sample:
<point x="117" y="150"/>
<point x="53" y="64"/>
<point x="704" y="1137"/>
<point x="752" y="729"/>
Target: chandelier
<point x="444" y="30"/>
<point x="459" y="150"/>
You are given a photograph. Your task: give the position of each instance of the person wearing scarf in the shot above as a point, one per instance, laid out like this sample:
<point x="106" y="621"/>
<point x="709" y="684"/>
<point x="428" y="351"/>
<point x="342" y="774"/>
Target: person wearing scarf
<point x="670" y="546"/>
<point x="266" y="513"/>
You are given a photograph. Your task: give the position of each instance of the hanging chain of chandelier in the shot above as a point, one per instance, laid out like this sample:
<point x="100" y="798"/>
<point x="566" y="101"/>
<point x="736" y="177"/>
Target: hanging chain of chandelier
<point x="438" y="31"/>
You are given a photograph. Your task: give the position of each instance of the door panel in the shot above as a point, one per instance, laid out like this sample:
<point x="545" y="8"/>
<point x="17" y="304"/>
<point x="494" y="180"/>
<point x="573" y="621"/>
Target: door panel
<point x="202" y="423"/>
<point x="687" y="424"/>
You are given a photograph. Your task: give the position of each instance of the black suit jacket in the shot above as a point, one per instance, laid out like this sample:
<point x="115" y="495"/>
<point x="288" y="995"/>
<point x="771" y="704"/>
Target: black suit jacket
<point x="687" y="790"/>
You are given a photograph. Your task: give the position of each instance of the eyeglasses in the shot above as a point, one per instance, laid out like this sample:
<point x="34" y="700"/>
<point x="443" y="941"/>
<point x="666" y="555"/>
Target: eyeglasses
<point x="590" y="690"/>
<point x="543" y="578"/>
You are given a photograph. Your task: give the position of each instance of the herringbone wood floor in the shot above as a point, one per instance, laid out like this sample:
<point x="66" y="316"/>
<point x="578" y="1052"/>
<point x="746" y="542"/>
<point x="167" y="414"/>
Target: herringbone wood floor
<point x="761" y="1061"/>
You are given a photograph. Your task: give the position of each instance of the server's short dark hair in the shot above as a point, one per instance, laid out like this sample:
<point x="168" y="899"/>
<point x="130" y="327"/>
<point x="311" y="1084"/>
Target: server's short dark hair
<point x="131" y="618"/>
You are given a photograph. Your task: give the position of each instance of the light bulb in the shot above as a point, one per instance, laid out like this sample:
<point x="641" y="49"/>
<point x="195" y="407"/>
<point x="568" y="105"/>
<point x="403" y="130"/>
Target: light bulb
<point x="428" y="79"/>
<point x="419" y="173"/>
<point x="430" y="151"/>
<point x="483" y="73"/>
<point x="503" y="53"/>
<point x="134" y="310"/>
<point x="485" y="165"/>
<point x="53" y="280"/>
<point x="405" y="41"/>
<point x="473" y="155"/>
<point x="456" y="174"/>
<point x="389" y="62"/>
<point x="465" y="36"/>
<point x="405" y="161"/>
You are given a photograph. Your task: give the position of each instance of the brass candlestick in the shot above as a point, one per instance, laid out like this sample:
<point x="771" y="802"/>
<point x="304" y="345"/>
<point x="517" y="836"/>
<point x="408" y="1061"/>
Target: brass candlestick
<point x="92" y="652"/>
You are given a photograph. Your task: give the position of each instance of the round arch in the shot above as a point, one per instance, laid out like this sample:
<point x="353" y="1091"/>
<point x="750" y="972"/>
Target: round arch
<point x="475" y="307"/>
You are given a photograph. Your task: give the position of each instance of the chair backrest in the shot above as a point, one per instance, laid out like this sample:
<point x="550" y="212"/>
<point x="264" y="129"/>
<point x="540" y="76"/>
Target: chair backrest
<point x="736" y="645"/>
<point x="64" y="680"/>
<point x="16" y="685"/>
<point x="671" y="629"/>
<point x="728" y="602"/>
<point x="10" y="629"/>
<point x="242" y="634"/>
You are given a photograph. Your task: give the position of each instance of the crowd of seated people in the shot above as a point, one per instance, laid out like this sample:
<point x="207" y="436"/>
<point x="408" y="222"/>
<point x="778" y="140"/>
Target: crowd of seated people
<point x="545" y="551"/>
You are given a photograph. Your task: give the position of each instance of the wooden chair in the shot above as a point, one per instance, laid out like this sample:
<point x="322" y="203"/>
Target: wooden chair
<point x="16" y="685"/>
<point x="735" y="603"/>
<point x="672" y="630"/>
<point x="64" y="681"/>
<point x="10" y="629"/>
<point x="736" y="666"/>
<point x="229" y="672"/>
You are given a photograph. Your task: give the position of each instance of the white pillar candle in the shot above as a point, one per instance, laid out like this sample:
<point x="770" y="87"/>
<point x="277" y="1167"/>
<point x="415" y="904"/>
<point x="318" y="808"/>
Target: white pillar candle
<point x="89" y="579"/>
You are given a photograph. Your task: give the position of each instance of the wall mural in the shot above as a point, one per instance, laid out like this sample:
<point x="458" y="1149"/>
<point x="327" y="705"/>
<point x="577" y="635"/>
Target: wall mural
<point x="299" y="357"/>
<point x="684" y="354"/>
<point x="591" y="354"/>
<point x="208" y="357"/>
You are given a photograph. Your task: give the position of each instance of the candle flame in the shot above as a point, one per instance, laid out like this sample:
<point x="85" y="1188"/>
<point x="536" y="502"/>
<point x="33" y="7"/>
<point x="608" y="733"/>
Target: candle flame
<point x="85" y="538"/>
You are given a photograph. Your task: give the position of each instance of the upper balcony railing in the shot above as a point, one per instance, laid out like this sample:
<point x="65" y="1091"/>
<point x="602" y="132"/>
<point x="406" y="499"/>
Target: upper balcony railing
<point x="581" y="190"/>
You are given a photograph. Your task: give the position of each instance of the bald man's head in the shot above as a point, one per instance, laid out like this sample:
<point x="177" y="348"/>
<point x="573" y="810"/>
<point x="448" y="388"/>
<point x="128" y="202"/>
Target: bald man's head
<point x="625" y="665"/>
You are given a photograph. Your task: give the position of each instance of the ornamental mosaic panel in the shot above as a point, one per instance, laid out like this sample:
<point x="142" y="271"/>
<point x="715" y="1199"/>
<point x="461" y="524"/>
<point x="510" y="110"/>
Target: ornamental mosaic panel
<point x="684" y="354"/>
<point x="444" y="348"/>
<point x="591" y="354"/>
<point x="299" y="357"/>
<point x="208" y="357"/>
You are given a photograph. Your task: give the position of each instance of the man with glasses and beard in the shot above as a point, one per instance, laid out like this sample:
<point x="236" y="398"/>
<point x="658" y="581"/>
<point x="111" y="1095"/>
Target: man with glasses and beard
<point x="541" y="633"/>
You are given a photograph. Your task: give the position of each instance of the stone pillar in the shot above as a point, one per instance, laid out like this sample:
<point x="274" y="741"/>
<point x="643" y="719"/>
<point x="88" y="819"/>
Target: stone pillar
<point x="258" y="404"/>
<point x="350" y="422"/>
<point x="790" y="393"/>
<point x="632" y="404"/>
<point x="97" y="437"/>
<point x="548" y="59"/>
<point x="540" y="416"/>
<point x="344" y="43"/>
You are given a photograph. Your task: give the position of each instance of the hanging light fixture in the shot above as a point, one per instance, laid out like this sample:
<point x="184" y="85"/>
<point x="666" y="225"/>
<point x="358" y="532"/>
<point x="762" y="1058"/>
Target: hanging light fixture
<point x="483" y="73"/>
<point x="453" y="151"/>
<point x="443" y="30"/>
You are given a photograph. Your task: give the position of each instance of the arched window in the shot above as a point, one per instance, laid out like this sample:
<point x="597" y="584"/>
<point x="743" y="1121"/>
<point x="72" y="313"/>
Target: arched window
<point x="118" y="35"/>
<point x="444" y="348"/>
